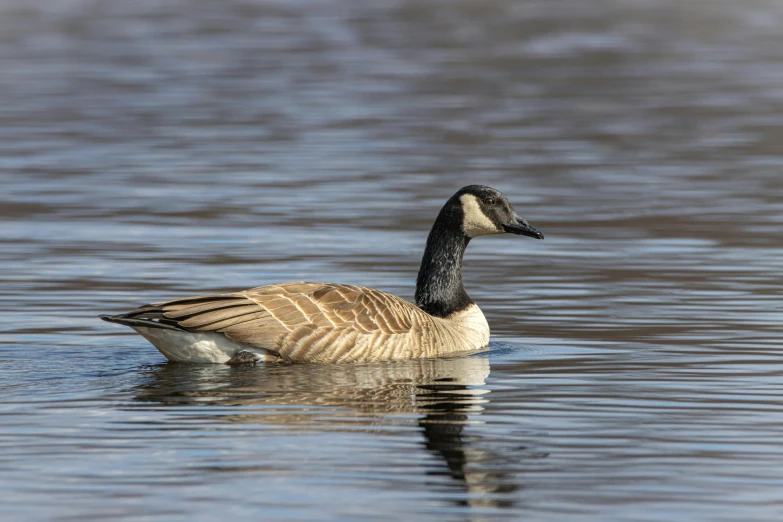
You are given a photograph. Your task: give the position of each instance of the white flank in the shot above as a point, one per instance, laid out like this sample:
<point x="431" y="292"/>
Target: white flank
<point x="476" y="223"/>
<point x="195" y="347"/>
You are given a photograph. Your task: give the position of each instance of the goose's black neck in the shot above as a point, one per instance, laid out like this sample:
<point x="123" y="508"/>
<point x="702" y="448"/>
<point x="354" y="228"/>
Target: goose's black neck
<point x="439" y="289"/>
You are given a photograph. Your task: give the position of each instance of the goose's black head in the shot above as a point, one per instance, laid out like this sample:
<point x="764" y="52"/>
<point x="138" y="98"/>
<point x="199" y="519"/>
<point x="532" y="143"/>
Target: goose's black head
<point x="484" y="210"/>
<point x="473" y="211"/>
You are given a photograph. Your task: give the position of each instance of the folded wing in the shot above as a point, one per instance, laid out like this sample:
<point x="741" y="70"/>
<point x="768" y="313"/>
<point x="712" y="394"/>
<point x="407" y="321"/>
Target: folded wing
<point x="306" y="321"/>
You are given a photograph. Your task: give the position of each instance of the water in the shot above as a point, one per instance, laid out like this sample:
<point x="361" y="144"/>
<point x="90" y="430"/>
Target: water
<point x="152" y="150"/>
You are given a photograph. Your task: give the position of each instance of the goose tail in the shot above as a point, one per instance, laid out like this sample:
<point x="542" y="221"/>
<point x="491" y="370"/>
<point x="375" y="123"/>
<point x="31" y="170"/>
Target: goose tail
<point x="129" y="320"/>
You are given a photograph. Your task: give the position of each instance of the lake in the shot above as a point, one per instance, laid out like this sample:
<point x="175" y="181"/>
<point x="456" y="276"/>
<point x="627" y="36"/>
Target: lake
<point x="154" y="150"/>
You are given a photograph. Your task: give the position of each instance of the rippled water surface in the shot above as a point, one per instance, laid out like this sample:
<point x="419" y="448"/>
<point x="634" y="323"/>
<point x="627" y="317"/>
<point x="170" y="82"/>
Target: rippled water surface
<point x="152" y="150"/>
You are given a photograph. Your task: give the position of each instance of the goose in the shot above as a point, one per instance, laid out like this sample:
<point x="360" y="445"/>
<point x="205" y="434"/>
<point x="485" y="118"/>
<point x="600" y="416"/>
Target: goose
<point x="326" y="322"/>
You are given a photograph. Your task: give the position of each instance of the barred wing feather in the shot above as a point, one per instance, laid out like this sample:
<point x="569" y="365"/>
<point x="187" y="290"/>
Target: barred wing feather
<point x="303" y="322"/>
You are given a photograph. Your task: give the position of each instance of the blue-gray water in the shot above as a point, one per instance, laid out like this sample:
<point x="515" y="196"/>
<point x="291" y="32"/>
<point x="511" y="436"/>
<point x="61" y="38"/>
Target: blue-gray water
<point x="152" y="150"/>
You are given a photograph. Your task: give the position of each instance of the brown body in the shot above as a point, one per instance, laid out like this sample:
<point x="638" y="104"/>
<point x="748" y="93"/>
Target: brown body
<point x="313" y="322"/>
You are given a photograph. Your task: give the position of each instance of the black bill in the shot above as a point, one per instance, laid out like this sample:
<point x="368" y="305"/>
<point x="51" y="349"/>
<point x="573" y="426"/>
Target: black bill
<point x="521" y="227"/>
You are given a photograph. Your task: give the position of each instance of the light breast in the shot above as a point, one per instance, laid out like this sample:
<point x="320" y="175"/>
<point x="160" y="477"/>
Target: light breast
<point x="469" y="326"/>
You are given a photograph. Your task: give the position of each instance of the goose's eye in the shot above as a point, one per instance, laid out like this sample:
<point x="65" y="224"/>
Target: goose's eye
<point x="489" y="201"/>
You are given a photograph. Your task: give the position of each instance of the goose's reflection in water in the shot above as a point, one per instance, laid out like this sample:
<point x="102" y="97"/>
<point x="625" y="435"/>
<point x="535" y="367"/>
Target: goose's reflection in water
<point x="443" y="397"/>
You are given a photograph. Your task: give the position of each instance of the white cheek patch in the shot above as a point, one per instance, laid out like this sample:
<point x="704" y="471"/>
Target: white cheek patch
<point x="476" y="223"/>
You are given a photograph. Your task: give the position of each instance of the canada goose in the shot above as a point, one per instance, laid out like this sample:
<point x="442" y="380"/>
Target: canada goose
<point x="325" y="322"/>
